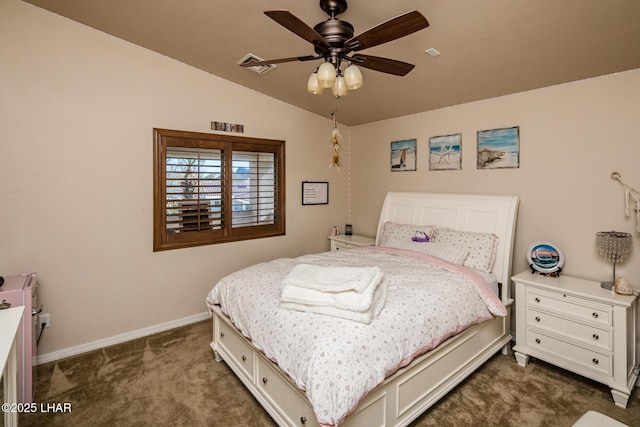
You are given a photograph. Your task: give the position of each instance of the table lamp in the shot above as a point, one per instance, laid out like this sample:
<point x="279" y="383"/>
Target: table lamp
<point x="614" y="246"/>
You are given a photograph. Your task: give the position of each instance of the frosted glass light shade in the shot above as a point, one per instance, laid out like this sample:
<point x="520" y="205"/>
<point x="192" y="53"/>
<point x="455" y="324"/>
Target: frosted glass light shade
<point x="339" y="87"/>
<point x="313" y="86"/>
<point x="327" y="74"/>
<point x="353" y="77"/>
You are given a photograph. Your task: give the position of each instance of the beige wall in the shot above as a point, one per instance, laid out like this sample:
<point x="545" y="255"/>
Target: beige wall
<point x="77" y="109"/>
<point x="572" y="137"/>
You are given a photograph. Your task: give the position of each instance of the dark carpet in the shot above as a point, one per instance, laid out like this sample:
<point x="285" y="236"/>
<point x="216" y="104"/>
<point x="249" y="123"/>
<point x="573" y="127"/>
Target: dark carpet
<point x="171" y="379"/>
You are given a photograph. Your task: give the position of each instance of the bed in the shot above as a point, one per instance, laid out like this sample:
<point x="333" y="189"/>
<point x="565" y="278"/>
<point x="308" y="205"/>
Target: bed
<point x="297" y="394"/>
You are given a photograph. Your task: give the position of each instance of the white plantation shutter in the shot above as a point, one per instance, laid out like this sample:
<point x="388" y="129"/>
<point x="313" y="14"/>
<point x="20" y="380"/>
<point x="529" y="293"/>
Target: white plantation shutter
<point x="194" y="183"/>
<point x="253" y="188"/>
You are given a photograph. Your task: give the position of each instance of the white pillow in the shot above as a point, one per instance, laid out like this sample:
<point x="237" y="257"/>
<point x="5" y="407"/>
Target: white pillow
<point x="482" y="247"/>
<point x="393" y="230"/>
<point x="446" y="252"/>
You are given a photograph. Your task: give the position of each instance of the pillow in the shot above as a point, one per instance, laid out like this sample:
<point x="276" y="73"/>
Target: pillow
<point x="440" y="250"/>
<point x="393" y="230"/>
<point x="481" y="246"/>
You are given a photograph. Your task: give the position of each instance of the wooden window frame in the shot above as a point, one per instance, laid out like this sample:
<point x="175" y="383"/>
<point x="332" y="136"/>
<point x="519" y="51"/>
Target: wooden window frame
<point x="225" y="232"/>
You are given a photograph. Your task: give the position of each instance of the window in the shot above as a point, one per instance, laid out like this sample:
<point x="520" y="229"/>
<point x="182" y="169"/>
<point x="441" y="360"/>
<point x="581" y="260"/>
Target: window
<point x="211" y="188"/>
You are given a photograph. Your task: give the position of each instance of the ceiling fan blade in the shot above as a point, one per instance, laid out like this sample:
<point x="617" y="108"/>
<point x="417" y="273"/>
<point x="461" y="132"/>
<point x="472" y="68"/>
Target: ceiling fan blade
<point x="392" y="29"/>
<point x="298" y="27"/>
<point x="385" y="65"/>
<point x="280" y="61"/>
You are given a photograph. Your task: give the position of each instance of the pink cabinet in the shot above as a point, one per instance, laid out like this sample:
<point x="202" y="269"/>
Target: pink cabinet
<point x="22" y="290"/>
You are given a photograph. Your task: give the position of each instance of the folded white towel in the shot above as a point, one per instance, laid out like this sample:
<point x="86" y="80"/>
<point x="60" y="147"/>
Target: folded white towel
<point x="366" y="317"/>
<point x="331" y="279"/>
<point x="344" y="300"/>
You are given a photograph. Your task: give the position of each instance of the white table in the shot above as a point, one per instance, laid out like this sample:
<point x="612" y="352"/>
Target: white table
<point x="342" y="241"/>
<point x="9" y="321"/>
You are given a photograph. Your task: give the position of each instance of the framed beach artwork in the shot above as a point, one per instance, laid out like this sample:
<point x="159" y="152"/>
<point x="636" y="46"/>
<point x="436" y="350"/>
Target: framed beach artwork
<point x="403" y="155"/>
<point x="499" y="148"/>
<point x="445" y="152"/>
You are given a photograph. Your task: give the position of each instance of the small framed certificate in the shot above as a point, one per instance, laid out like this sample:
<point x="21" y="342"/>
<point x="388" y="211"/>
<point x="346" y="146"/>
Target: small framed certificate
<point x="315" y="193"/>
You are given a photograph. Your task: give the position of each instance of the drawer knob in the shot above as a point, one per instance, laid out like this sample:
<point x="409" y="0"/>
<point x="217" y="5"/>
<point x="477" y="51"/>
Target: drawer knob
<point x="537" y="299"/>
<point x="595" y="361"/>
<point x="244" y="358"/>
<point x="537" y="318"/>
<point x="303" y="420"/>
<point x="537" y="340"/>
<point x="264" y="380"/>
<point x="594" y="315"/>
<point x="595" y="336"/>
<point x="221" y="334"/>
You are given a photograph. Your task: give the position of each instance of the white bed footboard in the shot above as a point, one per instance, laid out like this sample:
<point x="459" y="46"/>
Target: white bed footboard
<point x="396" y="402"/>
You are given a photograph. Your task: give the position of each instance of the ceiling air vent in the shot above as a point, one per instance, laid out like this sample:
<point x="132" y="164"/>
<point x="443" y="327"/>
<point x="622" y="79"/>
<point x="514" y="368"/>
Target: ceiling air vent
<point x="260" y="69"/>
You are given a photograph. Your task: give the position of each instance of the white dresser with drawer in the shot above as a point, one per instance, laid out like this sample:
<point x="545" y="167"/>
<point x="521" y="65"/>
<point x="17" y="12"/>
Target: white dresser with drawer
<point x="579" y="326"/>
<point x="341" y="241"/>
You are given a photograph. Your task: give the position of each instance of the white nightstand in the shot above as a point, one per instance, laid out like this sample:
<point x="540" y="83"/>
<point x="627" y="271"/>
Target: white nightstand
<point x="341" y="241"/>
<point x="579" y="326"/>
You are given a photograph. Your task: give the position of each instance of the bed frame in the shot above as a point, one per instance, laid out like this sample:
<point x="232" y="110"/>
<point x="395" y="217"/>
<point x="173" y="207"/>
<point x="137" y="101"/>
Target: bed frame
<point x="402" y="397"/>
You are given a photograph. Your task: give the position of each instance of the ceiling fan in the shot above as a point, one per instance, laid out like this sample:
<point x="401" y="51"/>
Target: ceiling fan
<point x="334" y="41"/>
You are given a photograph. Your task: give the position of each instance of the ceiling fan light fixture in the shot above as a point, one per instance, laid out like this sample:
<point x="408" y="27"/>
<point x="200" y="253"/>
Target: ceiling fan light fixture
<point x="327" y="74"/>
<point x="339" y="87"/>
<point x="353" y="77"/>
<point x="333" y="40"/>
<point x="313" y="86"/>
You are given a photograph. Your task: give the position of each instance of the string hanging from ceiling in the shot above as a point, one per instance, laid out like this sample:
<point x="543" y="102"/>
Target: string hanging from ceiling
<point x="349" y="176"/>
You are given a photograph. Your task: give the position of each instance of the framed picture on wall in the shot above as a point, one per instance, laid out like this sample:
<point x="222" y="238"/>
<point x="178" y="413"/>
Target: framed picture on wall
<point x="445" y="152"/>
<point x="227" y="127"/>
<point x="499" y="148"/>
<point x="403" y="155"/>
<point x="315" y="192"/>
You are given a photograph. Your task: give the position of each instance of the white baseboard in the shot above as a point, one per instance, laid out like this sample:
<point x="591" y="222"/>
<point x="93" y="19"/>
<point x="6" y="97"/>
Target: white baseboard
<point x="117" y="339"/>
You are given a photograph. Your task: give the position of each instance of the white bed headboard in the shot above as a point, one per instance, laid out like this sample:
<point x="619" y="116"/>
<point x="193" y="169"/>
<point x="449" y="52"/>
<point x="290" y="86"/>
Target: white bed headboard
<point x="468" y="212"/>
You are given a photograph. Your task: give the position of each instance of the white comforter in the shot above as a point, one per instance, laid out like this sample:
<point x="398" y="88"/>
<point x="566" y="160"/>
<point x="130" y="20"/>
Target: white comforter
<point x="337" y="361"/>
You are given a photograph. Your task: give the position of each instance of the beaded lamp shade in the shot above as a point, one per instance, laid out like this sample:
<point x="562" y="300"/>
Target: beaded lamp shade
<point x="614" y="246"/>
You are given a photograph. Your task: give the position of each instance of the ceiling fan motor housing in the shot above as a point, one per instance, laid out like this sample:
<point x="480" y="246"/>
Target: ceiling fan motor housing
<point x="335" y="32"/>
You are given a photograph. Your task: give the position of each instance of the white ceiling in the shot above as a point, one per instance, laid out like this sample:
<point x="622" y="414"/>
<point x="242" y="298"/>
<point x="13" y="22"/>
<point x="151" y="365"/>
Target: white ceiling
<point x="489" y="47"/>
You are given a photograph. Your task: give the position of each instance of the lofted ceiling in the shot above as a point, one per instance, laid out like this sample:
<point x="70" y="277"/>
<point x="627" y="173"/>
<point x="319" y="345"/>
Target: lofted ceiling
<point x="488" y="48"/>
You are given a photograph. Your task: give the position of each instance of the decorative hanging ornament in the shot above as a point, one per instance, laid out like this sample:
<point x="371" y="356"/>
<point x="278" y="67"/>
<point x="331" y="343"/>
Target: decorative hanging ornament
<point x="630" y="193"/>
<point x="336" y="139"/>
